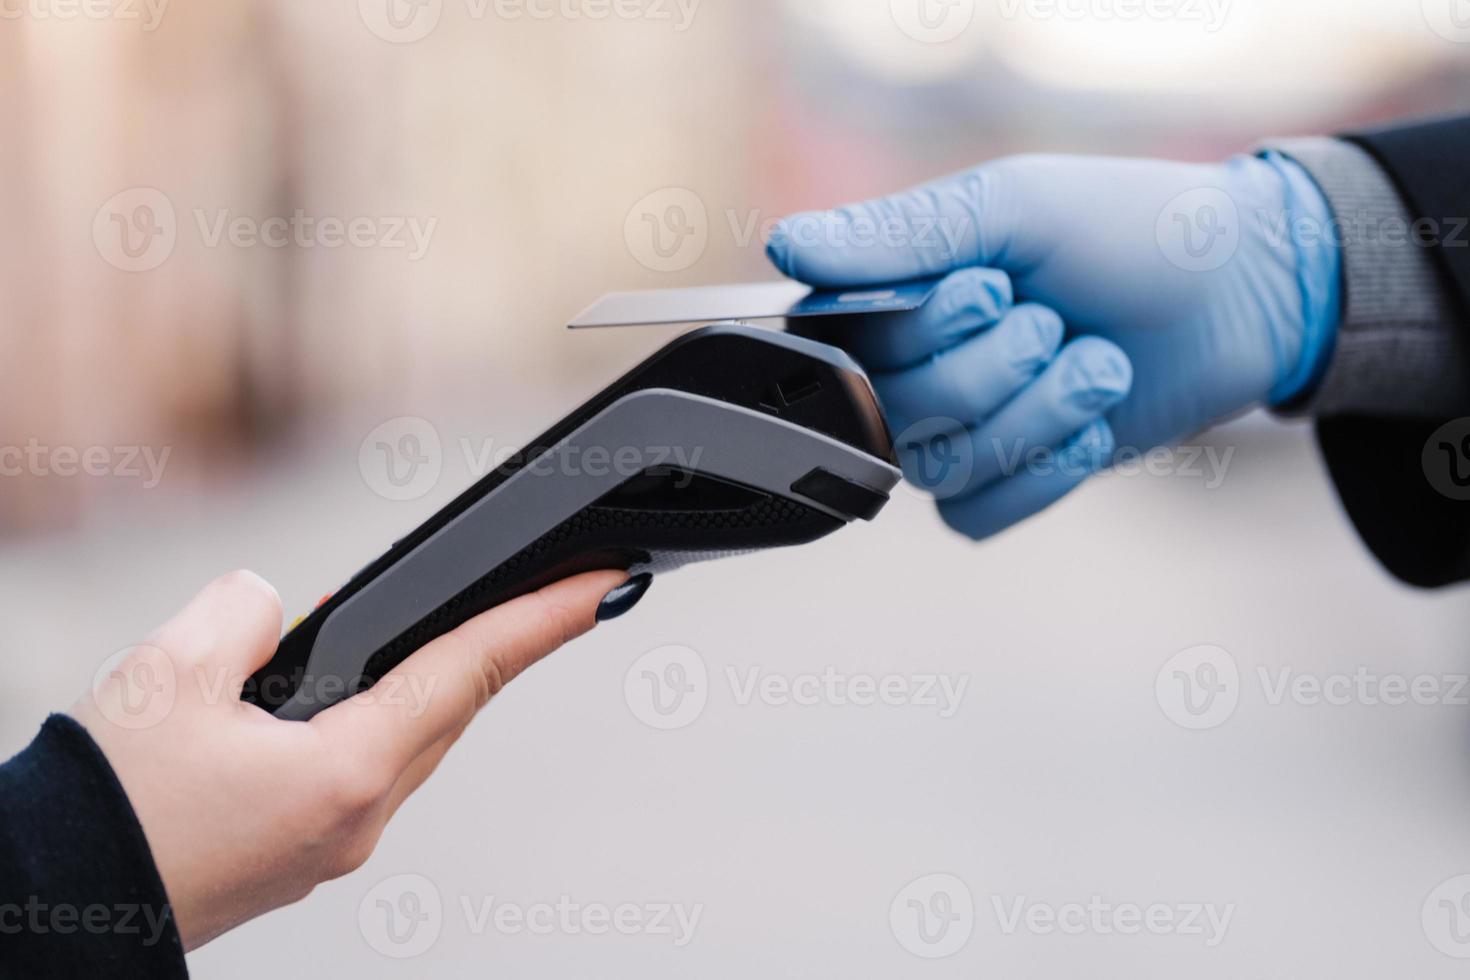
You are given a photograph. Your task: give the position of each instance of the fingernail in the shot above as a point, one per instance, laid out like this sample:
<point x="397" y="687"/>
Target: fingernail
<point x="1103" y="384"/>
<point x="1093" y="447"/>
<point x="620" y="601"/>
<point x="1097" y="399"/>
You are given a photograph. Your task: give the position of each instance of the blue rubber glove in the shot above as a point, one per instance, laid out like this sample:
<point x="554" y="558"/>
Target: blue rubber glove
<point x="1090" y="306"/>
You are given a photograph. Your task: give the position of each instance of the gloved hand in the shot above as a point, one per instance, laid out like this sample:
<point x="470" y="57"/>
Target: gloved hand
<point x="1091" y="306"/>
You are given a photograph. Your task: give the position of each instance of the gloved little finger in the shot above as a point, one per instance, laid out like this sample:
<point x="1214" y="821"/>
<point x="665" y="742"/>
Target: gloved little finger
<point x="1088" y="378"/>
<point x="1043" y="482"/>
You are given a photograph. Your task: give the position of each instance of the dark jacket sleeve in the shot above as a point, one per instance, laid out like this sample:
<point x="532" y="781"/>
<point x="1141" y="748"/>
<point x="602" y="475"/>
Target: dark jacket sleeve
<point x="1401" y="373"/>
<point x="79" y="893"/>
<point x="1430" y="164"/>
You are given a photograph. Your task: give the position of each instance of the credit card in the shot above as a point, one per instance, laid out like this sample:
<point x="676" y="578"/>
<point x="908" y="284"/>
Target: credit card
<point x="749" y="301"/>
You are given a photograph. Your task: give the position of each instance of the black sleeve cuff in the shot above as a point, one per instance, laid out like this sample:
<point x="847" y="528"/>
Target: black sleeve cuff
<point x="1420" y="535"/>
<point x="79" y="893"/>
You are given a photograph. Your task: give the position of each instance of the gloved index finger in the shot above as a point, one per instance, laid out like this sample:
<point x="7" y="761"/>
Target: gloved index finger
<point x="967" y="302"/>
<point x="922" y="232"/>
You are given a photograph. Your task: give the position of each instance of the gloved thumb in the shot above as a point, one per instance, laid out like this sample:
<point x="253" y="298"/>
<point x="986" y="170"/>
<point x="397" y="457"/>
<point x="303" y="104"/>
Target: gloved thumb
<point x="930" y="230"/>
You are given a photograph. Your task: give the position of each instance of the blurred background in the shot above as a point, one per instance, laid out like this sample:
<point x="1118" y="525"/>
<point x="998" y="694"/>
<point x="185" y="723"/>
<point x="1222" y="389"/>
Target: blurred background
<point x="239" y="238"/>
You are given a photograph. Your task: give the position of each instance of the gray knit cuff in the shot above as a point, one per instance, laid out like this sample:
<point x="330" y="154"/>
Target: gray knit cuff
<point x="1401" y="349"/>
